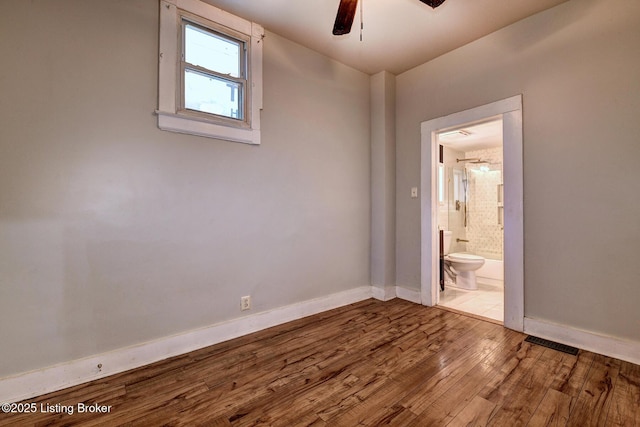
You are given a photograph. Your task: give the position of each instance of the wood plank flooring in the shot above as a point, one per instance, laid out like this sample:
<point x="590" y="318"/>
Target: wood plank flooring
<point x="367" y="364"/>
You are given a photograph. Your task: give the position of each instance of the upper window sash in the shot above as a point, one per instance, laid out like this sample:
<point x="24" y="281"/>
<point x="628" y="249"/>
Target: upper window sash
<point x="234" y="42"/>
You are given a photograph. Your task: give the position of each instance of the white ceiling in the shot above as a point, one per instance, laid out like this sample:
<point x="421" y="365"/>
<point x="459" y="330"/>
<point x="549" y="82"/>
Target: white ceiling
<point x="398" y="34"/>
<point x="477" y="137"/>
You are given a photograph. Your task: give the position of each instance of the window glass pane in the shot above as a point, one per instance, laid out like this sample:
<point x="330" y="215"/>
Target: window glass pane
<point x="211" y="94"/>
<point x="209" y="50"/>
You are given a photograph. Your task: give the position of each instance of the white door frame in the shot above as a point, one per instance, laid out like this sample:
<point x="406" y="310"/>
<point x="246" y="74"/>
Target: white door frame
<point x="511" y="111"/>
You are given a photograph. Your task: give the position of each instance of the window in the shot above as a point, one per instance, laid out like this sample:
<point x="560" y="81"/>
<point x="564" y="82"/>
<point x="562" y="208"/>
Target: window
<point x="210" y="74"/>
<point x="213" y="68"/>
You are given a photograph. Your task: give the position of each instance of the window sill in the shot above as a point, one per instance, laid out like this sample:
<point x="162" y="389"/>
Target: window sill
<point x="185" y="124"/>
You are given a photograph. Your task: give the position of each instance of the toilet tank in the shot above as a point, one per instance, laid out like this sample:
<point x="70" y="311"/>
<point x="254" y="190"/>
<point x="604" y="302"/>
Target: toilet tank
<point x="448" y="235"/>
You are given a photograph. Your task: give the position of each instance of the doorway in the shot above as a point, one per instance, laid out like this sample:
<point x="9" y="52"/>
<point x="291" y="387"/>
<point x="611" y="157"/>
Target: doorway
<point x="509" y="111"/>
<point x="470" y="216"/>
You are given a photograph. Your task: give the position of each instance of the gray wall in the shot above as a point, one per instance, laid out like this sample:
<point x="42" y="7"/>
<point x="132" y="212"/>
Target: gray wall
<point x="383" y="180"/>
<point x="578" y="67"/>
<point x="113" y="232"/>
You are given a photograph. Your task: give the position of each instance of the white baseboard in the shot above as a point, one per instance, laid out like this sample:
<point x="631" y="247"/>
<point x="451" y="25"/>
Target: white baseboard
<point x="384" y="294"/>
<point x="391" y="292"/>
<point x="409" y="294"/>
<point x="602" y="344"/>
<point x="42" y="381"/>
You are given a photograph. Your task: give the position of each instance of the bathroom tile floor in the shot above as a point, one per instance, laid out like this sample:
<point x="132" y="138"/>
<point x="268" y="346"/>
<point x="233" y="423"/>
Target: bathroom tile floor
<point x="486" y="301"/>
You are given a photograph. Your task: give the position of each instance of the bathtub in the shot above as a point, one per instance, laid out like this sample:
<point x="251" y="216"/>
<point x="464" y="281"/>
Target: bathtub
<point x="491" y="273"/>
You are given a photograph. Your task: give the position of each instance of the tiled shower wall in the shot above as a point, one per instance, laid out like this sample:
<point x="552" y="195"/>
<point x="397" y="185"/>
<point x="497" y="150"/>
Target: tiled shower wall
<point x="484" y="228"/>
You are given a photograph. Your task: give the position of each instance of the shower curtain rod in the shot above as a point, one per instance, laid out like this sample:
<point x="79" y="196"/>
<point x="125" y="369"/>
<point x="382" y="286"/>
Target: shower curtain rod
<point x="471" y="160"/>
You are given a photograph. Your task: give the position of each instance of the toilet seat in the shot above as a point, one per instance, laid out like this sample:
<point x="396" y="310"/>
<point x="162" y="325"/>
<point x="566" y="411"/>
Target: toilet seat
<point x="462" y="257"/>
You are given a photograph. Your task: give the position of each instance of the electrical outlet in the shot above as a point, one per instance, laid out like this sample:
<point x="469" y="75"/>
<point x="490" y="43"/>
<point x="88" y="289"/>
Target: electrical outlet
<point x="245" y="303"/>
<point x="414" y="192"/>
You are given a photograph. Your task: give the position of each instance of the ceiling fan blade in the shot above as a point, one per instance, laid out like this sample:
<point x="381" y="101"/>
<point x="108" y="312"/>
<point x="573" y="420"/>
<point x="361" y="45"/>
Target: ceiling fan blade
<point x="433" y="3"/>
<point x="344" y="18"/>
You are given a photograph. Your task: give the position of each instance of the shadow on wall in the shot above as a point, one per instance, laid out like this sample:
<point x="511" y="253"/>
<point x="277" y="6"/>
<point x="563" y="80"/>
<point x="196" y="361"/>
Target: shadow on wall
<point x="533" y="35"/>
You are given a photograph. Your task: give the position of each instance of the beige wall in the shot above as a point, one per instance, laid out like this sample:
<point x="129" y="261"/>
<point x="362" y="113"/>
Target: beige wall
<point x="113" y="232"/>
<point x="577" y="66"/>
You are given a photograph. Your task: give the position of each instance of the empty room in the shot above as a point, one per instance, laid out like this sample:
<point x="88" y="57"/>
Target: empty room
<point x="327" y="213"/>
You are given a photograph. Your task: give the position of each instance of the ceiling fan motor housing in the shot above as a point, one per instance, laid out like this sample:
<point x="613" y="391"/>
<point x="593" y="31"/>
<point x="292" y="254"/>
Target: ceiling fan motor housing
<point x="433" y="3"/>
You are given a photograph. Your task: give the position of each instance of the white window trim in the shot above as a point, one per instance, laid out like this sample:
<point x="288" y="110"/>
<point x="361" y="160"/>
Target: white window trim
<point x="169" y="116"/>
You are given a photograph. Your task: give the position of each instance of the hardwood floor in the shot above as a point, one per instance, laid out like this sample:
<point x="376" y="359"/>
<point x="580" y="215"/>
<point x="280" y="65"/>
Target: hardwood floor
<point x="371" y="363"/>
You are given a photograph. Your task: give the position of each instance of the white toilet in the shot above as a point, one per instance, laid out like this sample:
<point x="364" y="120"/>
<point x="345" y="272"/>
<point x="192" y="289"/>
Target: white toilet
<point x="463" y="265"/>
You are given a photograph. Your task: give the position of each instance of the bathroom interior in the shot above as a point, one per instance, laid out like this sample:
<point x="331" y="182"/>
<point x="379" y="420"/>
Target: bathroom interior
<point x="471" y="218"/>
